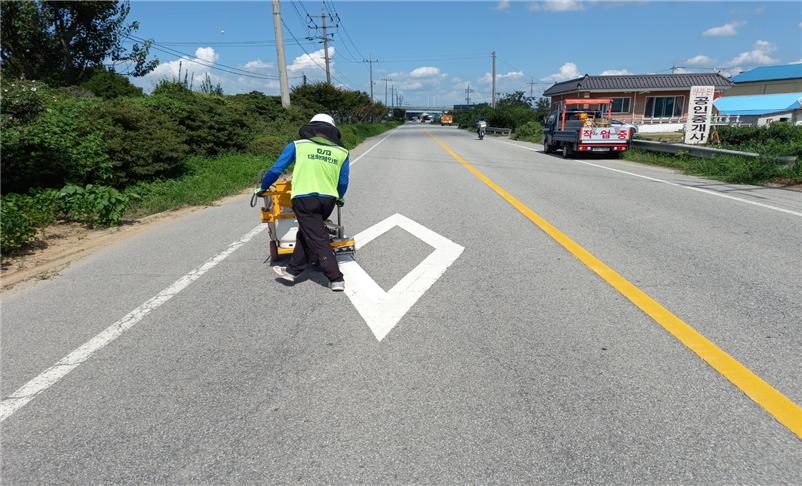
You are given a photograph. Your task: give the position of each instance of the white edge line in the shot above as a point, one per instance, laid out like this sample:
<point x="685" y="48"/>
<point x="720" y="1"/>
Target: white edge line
<point x="705" y="191"/>
<point x="389" y="134"/>
<point x="52" y="375"/>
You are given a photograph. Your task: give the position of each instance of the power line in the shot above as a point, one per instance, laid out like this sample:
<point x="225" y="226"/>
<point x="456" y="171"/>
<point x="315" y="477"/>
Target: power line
<point x="254" y="43"/>
<point x="345" y="31"/>
<point x="203" y="62"/>
<point x="310" y="55"/>
<point x="419" y="59"/>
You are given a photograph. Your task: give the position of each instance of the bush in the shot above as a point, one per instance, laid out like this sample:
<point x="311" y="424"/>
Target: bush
<point x="22" y="101"/>
<point x="212" y="125"/>
<point x="737" y="170"/>
<point x="16" y="227"/>
<point x="142" y="143"/>
<point x="268" y="145"/>
<point x="93" y="205"/>
<point x="529" y="131"/>
<point x="108" y="84"/>
<point x="775" y="139"/>
<point x="344" y="105"/>
<point x="58" y="145"/>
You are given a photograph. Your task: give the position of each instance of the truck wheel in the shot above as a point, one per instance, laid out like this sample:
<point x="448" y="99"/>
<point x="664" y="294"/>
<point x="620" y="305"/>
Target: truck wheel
<point x="568" y="151"/>
<point x="547" y="146"/>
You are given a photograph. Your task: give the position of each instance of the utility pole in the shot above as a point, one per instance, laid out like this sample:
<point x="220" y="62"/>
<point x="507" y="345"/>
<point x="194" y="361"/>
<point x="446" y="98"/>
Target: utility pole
<point x="385" y="79"/>
<point x="282" y="61"/>
<point x="304" y="76"/>
<point x="493" y="94"/>
<point x="370" y="63"/>
<point x="531" y="88"/>
<point x="325" y="37"/>
<point x="468" y="92"/>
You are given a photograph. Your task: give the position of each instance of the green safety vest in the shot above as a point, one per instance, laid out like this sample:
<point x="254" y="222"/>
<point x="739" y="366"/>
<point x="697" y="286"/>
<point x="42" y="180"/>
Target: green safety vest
<point x="317" y="167"/>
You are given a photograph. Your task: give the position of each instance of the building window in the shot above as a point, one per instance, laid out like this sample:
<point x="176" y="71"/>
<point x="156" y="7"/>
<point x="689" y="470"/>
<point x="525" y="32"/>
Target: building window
<point x="621" y="105"/>
<point x="664" y="106"/>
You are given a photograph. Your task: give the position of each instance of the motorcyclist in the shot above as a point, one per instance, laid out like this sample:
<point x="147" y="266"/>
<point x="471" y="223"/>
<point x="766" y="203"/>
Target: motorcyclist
<point x="481" y="125"/>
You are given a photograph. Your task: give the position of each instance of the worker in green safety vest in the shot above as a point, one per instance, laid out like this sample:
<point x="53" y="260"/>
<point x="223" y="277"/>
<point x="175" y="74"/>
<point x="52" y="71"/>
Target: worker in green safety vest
<point x="319" y="182"/>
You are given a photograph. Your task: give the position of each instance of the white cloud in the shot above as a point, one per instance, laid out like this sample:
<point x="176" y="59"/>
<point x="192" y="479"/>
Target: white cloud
<point x="411" y="85"/>
<point x="503" y="5"/>
<point x="197" y="66"/>
<point x="206" y="54"/>
<point x="424" y="72"/>
<point x="557" y="6"/>
<point x="511" y="75"/>
<point x="759" y="55"/>
<point x="726" y="30"/>
<point x="314" y="62"/>
<point x="615" y="72"/>
<point x="257" y="64"/>
<point x="567" y="71"/>
<point x="699" y="60"/>
<point x="800" y="25"/>
<point x="488" y="78"/>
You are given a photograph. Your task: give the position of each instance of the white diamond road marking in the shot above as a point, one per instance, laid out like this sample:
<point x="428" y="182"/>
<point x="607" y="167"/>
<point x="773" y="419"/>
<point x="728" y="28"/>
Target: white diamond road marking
<point x="383" y="310"/>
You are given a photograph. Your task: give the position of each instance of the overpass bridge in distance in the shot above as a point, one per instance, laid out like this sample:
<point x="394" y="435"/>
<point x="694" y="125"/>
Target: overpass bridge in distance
<point x="427" y="109"/>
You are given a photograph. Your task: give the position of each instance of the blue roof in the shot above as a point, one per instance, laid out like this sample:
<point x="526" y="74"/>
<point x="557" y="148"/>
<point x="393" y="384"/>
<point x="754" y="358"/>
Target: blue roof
<point x="769" y="73"/>
<point x="759" y="104"/>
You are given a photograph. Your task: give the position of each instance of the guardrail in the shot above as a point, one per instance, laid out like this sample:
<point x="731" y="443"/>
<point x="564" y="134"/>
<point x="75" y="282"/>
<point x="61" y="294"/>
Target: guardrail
<point x="697" y="151"/>
<point x="498" y="131"/>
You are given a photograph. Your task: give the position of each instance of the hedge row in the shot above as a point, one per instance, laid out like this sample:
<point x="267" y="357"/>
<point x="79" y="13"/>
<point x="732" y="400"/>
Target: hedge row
<point x="56" y="136"/>
<point x="775" y="139"/>
<point x="206" y="179"/>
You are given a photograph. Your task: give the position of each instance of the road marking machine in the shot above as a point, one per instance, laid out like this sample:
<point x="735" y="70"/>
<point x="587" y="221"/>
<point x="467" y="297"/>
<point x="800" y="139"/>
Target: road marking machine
<point x="277" y="212"/>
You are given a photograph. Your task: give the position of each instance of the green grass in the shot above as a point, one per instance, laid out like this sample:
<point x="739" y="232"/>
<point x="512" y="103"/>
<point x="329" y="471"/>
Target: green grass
<point x="211" y="178"/>
<point x="208" y="179"/>
<point x="737" y="170"/>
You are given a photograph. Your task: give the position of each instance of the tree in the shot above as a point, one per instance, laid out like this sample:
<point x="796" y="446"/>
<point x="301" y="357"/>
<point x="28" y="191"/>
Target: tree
<point x="62" y="43"/>
<point x="542" y="108"/>
<point x="209" y="88"/>
<point x="516" y="99"/>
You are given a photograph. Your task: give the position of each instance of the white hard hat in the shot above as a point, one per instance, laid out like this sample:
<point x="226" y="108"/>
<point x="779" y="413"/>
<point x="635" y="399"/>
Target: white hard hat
<point x="322" y="117"/>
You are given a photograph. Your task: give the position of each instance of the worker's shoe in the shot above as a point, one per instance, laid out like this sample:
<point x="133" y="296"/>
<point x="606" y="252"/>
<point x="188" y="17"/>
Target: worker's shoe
<point x="283" y="274"/>
<point x="338" y="286"/>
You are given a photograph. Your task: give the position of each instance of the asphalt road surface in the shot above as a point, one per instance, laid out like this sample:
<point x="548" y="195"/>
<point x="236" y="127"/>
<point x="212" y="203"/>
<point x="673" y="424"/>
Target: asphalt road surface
<point x="525" y="319"/>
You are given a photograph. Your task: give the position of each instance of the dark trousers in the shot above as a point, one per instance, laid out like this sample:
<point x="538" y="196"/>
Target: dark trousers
<point x="312" y="242"/>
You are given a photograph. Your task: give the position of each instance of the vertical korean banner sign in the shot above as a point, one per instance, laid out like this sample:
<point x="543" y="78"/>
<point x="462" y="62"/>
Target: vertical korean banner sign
<point x="700" y="108"/>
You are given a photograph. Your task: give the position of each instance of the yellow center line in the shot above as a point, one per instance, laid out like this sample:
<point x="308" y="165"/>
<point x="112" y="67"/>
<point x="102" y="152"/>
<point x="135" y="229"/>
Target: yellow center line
<point x="778" y="405"/>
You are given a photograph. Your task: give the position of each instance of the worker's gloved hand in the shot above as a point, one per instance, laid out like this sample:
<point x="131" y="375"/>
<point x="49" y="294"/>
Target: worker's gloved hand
<point x="340" y="203"/>
<point x="258" y="191"/>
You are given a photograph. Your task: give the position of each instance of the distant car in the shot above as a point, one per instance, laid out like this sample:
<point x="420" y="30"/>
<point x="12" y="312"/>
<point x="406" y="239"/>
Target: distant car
<point x="619" y="123"/>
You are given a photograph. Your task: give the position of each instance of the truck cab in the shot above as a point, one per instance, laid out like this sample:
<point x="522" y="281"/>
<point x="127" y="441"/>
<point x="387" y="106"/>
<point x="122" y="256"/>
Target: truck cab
<point x="584" y="125"/>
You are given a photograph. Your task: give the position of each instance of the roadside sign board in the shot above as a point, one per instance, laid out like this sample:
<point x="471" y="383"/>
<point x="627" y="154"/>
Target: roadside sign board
<point x="700" y="109"/>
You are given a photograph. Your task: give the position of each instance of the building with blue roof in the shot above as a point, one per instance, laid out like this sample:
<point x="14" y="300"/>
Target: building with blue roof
<point x="786" y="78"/>
<point x="760" y="109"/>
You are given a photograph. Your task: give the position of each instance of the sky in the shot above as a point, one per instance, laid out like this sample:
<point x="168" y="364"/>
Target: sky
<point x="431" y="52"/>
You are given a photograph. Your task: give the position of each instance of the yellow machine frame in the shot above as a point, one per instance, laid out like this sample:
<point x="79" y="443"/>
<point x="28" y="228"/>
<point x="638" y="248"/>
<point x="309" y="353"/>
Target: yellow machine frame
<point x="280" y="207"/>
